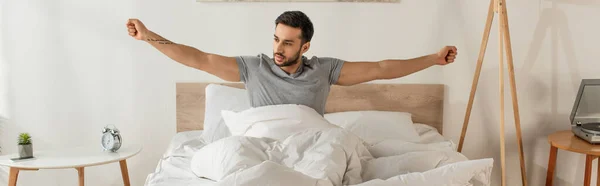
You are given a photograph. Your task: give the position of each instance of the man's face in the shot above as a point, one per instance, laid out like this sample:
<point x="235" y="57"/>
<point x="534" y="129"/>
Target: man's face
<point x="287" y="45"/>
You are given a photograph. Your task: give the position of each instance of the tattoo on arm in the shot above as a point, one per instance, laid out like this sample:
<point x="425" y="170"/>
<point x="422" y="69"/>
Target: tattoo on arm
<point x="161" y="41"/>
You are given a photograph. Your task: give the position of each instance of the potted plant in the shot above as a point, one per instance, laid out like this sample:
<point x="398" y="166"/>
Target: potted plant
<point x="25" y="148"/>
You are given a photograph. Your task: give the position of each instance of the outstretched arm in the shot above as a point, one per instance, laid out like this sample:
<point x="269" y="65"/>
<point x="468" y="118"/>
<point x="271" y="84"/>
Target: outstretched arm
<point x="223" y="67"/>
<point x="359" y="72"/>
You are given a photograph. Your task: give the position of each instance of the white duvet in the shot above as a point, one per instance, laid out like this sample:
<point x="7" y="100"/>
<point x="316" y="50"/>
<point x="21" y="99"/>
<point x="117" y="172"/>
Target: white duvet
<point x="269" y="148"/>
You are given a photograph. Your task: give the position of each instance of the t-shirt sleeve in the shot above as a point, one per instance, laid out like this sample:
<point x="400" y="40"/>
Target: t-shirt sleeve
<point x="335" y="68"/>
<point x="246" y="65"/>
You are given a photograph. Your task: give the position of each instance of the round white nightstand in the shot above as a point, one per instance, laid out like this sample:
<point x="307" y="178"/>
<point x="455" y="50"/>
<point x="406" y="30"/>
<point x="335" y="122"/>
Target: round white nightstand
<point x="77" y="158"/>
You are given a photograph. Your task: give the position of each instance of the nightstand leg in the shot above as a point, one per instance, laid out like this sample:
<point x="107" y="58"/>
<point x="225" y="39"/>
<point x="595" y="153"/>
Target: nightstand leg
<point x="14" y="174"/>
<point x="124" y="172"/>
<point x="551" y="165"/>
<point x="598" y="173"/>
<point x="80" y="172"/>
<point x="588" y="170"/>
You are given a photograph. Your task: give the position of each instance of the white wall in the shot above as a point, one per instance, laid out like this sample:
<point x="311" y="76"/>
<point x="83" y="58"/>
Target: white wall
<point x="554" y="47"/>
<point x="3" y="72"/>
<point x="73" y="69"/>
<point x="3" y="94"/>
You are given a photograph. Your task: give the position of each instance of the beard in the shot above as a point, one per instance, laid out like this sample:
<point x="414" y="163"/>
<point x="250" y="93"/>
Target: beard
<point x="287" y="61"/>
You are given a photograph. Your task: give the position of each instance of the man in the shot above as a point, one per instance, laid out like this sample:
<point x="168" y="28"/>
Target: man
<point x="289" y="77"/>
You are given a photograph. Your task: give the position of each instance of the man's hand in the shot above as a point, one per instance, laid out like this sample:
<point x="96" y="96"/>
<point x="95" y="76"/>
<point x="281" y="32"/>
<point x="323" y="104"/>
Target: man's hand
<point x="446" y="55"/>
<point x="137" y="29"/>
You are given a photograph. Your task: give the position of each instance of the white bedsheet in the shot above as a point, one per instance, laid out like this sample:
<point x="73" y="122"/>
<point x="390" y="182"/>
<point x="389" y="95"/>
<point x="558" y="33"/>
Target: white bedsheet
<point x="174" y="168"/>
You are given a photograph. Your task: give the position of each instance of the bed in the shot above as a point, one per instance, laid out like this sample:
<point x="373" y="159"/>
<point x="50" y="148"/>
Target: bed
<point x="410" y="151"/>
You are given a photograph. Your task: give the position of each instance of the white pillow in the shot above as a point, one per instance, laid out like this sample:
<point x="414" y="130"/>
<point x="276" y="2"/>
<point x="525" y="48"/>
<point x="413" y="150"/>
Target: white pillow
<point x="274" y="121"/>
<point x="376" y="126"/>
<point x="423" y="128"/>
<point x="218" y="98"/>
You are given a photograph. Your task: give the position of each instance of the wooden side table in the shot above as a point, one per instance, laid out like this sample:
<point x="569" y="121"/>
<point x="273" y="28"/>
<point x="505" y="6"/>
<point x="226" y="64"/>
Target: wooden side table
<point x="77" y="158"/>
<point x="566" y="140"/>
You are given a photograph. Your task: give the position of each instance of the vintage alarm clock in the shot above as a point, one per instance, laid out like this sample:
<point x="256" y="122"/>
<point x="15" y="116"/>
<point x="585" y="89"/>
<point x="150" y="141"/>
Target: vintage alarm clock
<point x="111" y="138"/>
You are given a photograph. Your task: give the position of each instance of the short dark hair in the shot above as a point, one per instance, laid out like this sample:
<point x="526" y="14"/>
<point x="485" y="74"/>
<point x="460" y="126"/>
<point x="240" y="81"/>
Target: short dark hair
<point x="297" y="19"/>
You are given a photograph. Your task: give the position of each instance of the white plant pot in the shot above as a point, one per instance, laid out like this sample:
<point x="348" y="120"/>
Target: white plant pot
<point x="26" y="151"/>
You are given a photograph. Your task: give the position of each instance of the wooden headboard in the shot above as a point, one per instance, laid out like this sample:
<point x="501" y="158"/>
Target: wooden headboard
<point x="424" y="101"/>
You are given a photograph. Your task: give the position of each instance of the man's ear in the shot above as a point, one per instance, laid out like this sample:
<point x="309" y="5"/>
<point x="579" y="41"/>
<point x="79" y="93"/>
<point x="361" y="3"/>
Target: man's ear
<point x="305" y="47"/>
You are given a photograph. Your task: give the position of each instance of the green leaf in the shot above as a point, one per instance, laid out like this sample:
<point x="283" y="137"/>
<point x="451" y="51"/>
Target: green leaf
<point x="24" y="139"/>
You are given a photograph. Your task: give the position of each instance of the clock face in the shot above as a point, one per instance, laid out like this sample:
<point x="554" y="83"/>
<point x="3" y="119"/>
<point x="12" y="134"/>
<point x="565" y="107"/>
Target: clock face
<point x="107" y="141"/>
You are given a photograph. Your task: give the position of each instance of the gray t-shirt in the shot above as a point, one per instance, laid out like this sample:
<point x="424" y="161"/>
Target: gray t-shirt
<point x="268" y="84"/>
